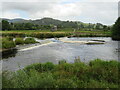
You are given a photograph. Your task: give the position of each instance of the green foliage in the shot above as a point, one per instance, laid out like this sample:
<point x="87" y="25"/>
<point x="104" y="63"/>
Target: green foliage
<point x="7" y="79"/>
<point x="22" y="80"/>
<point x="116" y="30"/>
<point x="62" y="61"/>
<point x="47" y="23"/>
<point x="19" y="41"/>
<point x="61" y="33"/>
<point x="5" y="25"/>
<point x="108" y="72"/>
<point x="77" y="60"/>
<point x="8" y="38"/>
<point x="37" y="66"/>
<point x="7" y="43"/>
<point x="96" y="84"/>
<point x="96" y="74"/>
<point x="65" y="83"/>
<point x="29" y="40"/>
<point x="41" y="67"/>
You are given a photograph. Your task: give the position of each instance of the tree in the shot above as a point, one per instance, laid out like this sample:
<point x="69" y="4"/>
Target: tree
<point x="5" y="25"/>
<point x="116" y="30"/>
<point x="28" y="26"/>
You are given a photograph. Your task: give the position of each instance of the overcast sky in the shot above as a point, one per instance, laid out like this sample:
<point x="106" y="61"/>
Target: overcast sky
<point x="90" y="11"/>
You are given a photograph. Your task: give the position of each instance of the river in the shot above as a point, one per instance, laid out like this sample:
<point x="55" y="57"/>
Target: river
<point x="53" y="52"/>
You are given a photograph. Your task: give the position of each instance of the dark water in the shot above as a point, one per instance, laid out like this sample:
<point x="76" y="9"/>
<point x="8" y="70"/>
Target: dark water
<point x="59" y="51"/>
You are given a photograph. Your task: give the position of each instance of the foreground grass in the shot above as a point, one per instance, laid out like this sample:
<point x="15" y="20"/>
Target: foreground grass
<point x="95" y="74"/>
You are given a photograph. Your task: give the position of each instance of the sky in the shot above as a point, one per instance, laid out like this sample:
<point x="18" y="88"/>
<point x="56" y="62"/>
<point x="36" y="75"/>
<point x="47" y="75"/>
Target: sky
<point x="88" y="11"/>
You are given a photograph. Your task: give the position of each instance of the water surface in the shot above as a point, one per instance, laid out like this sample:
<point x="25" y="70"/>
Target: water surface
<point x="60" y="50"/>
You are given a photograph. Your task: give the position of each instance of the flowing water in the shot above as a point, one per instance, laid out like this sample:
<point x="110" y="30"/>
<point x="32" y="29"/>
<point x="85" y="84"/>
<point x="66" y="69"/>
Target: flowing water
<point x="57" y="50"/>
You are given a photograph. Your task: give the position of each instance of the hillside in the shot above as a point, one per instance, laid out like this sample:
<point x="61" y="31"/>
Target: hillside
<point x="60" y="24"/>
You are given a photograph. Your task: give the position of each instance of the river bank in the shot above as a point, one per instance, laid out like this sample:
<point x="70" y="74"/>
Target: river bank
<point x="95" y="74"/>
<point x="47" y="34"/>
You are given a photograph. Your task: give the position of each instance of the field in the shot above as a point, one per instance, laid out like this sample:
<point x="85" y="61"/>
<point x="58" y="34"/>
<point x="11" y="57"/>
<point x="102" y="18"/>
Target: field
<point x="58" y="33"/>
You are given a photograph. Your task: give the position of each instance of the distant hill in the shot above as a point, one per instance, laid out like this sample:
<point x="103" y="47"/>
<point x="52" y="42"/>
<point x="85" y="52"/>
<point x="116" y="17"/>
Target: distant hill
<point x="16" y="20"/>
<point x="43" y="21"/>
<point x="47" y="21"/>
<point x="59" y="23"/>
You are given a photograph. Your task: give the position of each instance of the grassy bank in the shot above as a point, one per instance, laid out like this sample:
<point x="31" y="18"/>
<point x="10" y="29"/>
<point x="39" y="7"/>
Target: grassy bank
<point x="59" y="33"/>
<point x="95" y="74"/>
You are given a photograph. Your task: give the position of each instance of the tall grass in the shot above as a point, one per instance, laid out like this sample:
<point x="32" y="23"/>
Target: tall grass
<point x="95" y="74"/>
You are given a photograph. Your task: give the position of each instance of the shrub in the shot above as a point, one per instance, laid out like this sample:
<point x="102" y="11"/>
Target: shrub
<point x="30" y="40"/>
<point x="37" y="66"/>
<point x="19" y="41"/>
<point x="48" y="66"/>
<point x="104" y="70"/>
<point x="96" y="74"/>
<point x="62" y="61"/>
<point x="43" y="80"/>
<point x="65" y="83"/>
<point x="8" y="38"/>
<point x="6" y="44"/>
<point x="40" y="67"/>
<point x="21" y="79"/>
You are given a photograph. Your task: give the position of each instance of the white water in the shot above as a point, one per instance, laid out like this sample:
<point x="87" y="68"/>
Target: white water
<point x="29" y="48"/>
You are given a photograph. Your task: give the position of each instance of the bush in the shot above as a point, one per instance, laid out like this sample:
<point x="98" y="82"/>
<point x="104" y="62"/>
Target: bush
<point x="104" y="70"/>
<point x="65" y="83"/>
<point x="43" y="80"/>
<point x="7" y="44"/>
<point x="62" y="61"/>
<point x="19" y="41"/>
<point x="96" y="84"/>
<point x="8" y="38"/>
<point x="37" y="66"/>
<point x="20" y="79"/>
<point x="40" y="67"/>
<point x="30" y="41"/>
<point x="96" y="74"/>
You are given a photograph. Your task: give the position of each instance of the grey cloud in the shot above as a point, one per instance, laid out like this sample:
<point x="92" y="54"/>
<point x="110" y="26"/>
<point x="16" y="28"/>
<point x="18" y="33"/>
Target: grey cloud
<point x="100" y="12"/>
<point x="119" y="9"/>
<point x="104" y="12"/>
<point x="26" y="6"/>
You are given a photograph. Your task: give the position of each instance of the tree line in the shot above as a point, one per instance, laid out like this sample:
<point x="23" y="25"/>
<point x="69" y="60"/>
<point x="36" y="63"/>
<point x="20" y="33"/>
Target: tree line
<point x="65" y="24"/>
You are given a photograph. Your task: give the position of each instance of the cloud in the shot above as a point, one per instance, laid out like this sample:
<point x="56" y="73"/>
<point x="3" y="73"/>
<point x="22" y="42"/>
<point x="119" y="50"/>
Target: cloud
<point x="119" y="9"/>
<point x="78" y="10"/>
<point x="11" y="15"/>
<point x="99" y="12"/>
<point x="59" y="11"/>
